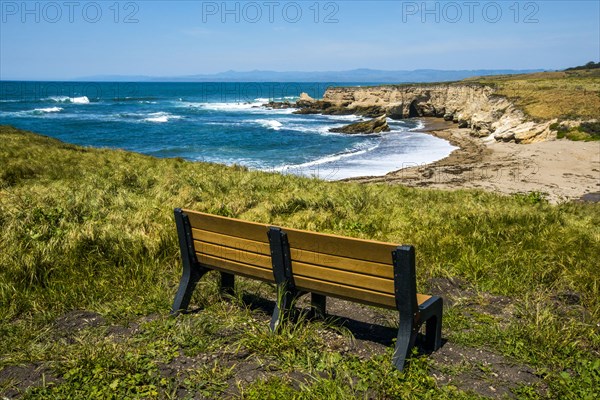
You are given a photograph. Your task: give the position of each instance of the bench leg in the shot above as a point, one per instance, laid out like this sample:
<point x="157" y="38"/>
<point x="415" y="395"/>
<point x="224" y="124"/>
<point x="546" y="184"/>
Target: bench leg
<point x="192" y="270"/>
<point x="286" y="297"/>
<point x="405" y="290"/>
<point x="227" y="284"/>
<point x="318" y="304"/>
<point x="282" y="272"/>
<point x="188" y="282"/>
<point x="407" y="335"/>
<point x="431" y="312"/>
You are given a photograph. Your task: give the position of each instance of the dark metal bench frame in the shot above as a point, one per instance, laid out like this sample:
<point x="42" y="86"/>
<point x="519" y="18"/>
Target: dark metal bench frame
<point x="403" y="260"/>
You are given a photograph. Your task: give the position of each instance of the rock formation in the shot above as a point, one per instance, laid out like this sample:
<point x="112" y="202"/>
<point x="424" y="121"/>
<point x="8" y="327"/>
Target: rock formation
<point x="276" y="105"/>
<point x="375" y="125"/>
<point x="471" y="106"/>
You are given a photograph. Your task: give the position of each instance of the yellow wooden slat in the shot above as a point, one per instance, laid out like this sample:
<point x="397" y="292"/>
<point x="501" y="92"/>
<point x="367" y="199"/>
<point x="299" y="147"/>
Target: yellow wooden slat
<point x="367" y="250"/>
<point x="228" y="226"/>
<point x="232" y="241"/>
<point x="345" y="292"/>
<point x="422" y="298"/>
<point x="236" y="268"/>
<point x="339" y="277"/>
<point x="233" y="254"/>
<point x="343" y="263"/>
<point x="364" y="296"/>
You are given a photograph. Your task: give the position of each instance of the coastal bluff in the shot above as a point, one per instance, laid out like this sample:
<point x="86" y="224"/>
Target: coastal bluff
<point x="472" y="106"/>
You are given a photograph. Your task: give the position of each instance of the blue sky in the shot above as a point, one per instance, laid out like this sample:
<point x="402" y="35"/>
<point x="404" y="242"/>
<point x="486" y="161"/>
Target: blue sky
<point x="66" y="40"/>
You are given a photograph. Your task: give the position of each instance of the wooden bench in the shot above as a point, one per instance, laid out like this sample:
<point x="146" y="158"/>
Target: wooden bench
<point x="369" y="272"/>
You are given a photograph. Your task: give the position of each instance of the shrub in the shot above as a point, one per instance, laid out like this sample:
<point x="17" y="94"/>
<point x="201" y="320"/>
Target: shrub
<point x="591" y="128"/>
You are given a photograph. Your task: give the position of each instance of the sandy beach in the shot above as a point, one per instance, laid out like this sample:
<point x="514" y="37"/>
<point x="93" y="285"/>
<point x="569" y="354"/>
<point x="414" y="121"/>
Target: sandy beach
<point x="562" y="170"/>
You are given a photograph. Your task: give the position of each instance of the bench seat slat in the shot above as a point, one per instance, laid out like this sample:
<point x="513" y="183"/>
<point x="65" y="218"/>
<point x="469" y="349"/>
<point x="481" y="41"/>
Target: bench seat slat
<point x="228" y="226"/>
<point x="369" y="268"/>
<point x="232" y="254"/>
<point x="336" y="276"/>
<point x="345" y="292"/>
<point x="360" y="249"/>
<point x="364" y="296"/>
<point x="232" y="241"/>
<point x="249" y="271"/>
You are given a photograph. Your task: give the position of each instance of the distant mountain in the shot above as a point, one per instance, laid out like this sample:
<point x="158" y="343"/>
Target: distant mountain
<point x="356" y="76"/>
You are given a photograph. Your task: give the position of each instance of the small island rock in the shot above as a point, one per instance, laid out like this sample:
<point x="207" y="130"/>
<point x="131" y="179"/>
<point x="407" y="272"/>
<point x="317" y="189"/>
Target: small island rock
<point x="375" y="125"/>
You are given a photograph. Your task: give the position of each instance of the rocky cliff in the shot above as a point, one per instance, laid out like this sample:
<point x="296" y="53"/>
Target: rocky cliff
<point x="469" y="105"/>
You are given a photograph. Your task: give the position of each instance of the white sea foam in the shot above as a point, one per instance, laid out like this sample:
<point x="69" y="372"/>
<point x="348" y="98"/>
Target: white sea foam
<point x="282" y="99"/>
<point x="246" y="107"/>
<point x="319" y="129"/>
<point x="282" y="111"/>
<point x="39" y="112"/>
<point x="58" y="99"/>
<point x="358" y="150"/>
<point x="392" y="152"/>
<point x="295" y="123"/>
<point x="329" y="172"/>
<point x="420" y="125"/>
<point x="350" y="117"/>
<point x="156" y="117"/>
<point x="11" y="113"/>
<point x="67" y="99"/>
<point x="80" y="100"/>
<point x="268" y="123"/>
<point x="243" y="106"/>
<point x="47" y="110"/>
<point x="238" y="123"/>
<point x="161" y="117"/>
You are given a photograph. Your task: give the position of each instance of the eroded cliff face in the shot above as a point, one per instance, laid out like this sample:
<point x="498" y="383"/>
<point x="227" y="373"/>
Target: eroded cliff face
<point x="471" y="106"/>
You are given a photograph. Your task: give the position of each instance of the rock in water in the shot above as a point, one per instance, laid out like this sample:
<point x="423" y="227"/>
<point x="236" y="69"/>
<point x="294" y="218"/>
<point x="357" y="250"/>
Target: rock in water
<point x="305" y="102"/>
<point x="308" y="105"/>
<point x="305" y="97"/>
<point x="375" y="125"/>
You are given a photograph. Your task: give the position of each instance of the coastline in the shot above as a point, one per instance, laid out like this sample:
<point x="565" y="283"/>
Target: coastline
<point x="561" y="170"/>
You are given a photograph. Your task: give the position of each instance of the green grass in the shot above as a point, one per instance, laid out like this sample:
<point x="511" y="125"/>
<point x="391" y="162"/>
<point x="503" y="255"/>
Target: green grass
<point x="92" y="229"/>
<point x="546" y="95"/>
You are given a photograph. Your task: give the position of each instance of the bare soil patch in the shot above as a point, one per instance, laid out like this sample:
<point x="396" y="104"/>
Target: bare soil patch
<point x="16" y="379"/>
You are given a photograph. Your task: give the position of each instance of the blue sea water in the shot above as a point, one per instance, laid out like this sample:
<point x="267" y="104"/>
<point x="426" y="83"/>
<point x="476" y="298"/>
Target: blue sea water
<point x="215" y="122"/>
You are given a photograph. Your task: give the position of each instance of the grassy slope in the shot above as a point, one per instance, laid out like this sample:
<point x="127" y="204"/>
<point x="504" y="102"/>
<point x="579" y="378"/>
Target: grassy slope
<point x="548" y="95"/>
<point x="92" y="229"/>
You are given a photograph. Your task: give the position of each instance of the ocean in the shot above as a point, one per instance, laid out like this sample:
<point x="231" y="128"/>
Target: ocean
<point x="215" y="122"/>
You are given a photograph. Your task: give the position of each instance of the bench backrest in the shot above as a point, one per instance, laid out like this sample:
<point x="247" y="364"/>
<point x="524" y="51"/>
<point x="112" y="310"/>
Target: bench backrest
<point x="232" y="245"/>
<point x="344" y="267"/>
<point x="331" y="265"/>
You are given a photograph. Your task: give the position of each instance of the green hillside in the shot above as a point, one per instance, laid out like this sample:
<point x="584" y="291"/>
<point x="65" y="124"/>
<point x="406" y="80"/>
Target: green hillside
<point x="89" y="267"/>
<point x="546" y="95"/>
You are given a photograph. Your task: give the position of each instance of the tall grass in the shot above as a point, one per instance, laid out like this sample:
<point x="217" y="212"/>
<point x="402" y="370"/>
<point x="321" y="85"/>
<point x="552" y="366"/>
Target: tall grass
<point x="548" y="95"/>
<point x="93" y="229"/>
